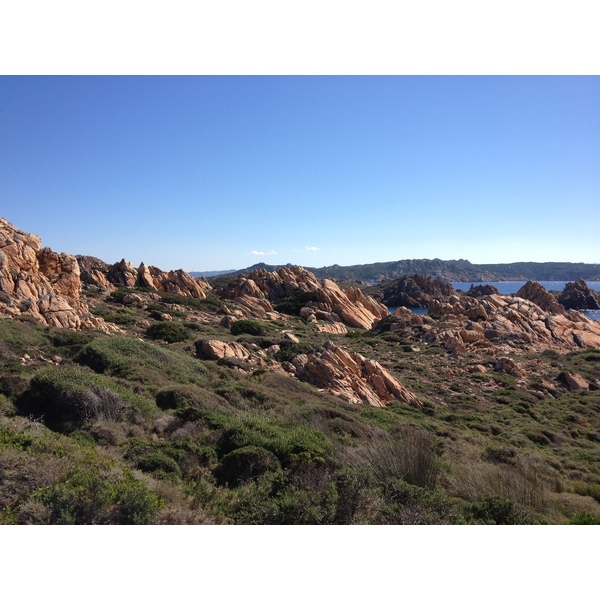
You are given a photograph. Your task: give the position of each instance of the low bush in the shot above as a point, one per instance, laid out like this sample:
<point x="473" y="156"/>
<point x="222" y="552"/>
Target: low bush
<point x="123" y="316"/>
<point x="496" y="510"/>
<point x="173" y="398"/>
<point x="496" y="454"/>
<point x="22" y="336"/>
<point x="406" y="504"/>
<point x="71" y="341"/>
<point x="586" y="489"/>
<point x="160" y="465"/>
<point x="244" y="326"/>
<point x="289" y="350"/>
<point x="136" y="360"/>
<point x="584" y="518"/>
<point x="244" y="464"/>
<point x="168" y="331"/>
<point x="292" y="444"/>
<point x="13" y="385"/>
<point x="68" y="397"/>
<point x="291" y="305"/>
<point x="185" y="397"/>
<point x="87" y="497"/>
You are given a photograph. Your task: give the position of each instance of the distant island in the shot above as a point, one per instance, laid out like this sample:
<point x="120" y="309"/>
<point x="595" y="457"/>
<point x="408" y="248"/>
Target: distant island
<point x="447" y="270"/>
<point x="198" y="274"/>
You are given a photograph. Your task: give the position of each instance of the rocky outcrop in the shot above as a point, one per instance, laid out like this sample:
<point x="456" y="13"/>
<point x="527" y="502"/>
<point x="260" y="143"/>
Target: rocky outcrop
<point x="255" y="293"/>
<point x="244" y="359"/>
<point x="574" y="381"/>
<point x="519" y="321"/>
<point x="332" y="328"/>
<point x="350" y="306"/>
<point x="96" y="273"/>
<point x="62" y="271"/>
<point x="123" y="273"/>
<point x="286" y="282"/>
<point x="178" y="282"/>
<point x="38" y="282"/>
<point x="578" y="296"/>
<point x="216" y="349"/>
<point x="476" y="291"/>
<point x="509" y="366"/>
<point x="537" y="293"/>
<point x="296" y="290"/>
<point x="412" y="291"/>
<point x="352" y="376"/>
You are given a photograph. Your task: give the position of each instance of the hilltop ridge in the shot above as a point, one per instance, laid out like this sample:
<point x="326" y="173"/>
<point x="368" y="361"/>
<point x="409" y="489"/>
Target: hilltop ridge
<point x="450" y="270"/>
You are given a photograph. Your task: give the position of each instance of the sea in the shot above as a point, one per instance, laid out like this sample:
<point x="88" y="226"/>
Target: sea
<point x="512" y="287"/>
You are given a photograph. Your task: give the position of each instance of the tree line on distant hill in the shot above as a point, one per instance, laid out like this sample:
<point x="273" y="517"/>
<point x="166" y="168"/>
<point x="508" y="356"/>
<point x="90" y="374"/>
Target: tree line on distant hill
<point x="453" y="270"/>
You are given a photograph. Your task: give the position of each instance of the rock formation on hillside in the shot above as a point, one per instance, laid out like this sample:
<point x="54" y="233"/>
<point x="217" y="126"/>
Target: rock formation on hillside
<point x="495" y="318"/>
<point x="260" y="293"/>
<point x="486" y="324"/>
<point x="38" y="282"/>
<point x="352" y="376"/>
<point x="476" y="291"/>
<point x="537" y="293"/>
<point x="95" y="272"/>
<point x="578" y="296"/>
<point x="412" y="291"/>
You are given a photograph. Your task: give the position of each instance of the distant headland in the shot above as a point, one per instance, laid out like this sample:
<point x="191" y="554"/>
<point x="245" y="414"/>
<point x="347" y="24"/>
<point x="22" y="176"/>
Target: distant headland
<point x="446" y="270"/>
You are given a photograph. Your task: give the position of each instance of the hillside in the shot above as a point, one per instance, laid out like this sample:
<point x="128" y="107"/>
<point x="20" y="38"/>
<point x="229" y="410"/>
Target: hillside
<point x="279" y="398"/>
<point x="453" y="270"/>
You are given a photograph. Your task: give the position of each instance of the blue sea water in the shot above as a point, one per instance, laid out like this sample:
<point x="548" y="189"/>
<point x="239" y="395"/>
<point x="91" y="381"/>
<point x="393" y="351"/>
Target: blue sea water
<point x="512" y="287"/>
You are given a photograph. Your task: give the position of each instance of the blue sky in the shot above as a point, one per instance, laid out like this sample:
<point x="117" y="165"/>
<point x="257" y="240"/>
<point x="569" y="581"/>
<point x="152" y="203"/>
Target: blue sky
<point x="206" y="173"/>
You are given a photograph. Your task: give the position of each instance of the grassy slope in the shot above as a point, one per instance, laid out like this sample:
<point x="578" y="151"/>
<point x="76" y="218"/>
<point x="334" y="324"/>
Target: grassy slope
<point x="130" y="429"/>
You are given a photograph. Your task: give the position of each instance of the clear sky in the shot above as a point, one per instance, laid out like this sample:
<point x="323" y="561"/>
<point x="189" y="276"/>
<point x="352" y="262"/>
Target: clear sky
<point x="211" y="173"/>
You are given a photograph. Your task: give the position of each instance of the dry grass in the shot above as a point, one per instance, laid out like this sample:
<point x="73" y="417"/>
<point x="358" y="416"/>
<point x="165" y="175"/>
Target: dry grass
<point x="527" y="483"/>
<point x="409" y="453"/>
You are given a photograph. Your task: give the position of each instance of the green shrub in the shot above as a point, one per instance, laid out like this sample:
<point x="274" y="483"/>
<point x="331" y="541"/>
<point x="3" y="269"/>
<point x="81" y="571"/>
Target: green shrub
<point x="289" y="350"/>
<point x="68" y="397"/>
<point x="307" y="496"/>
<point x="7" y="408"/>
<point x="136" y="360"/>
<point x="72" y="341"/>
<point x="291" y="305"/>
<point x="168" y="331"/>
<point x="13" y="385"/>
<point x="495" y="510"/>
<point x="171" y="398"/>
<point x="496" y="454"/>
<point x="248" y="327"/>
<point x="160" y="465"/>
<point x="586" y="489"/>
<point x="86" y="497"/>
<point x="244" y="464"/>
<point x="16" y="439"/>
<point x="584" y="518"/>
<point x="291" y="444"/>
<point x="22" y="337"/>
<point x="406" y="504"/>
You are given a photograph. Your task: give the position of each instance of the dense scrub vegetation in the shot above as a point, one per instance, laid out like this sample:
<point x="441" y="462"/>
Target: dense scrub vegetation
<point x="133" y="428"/>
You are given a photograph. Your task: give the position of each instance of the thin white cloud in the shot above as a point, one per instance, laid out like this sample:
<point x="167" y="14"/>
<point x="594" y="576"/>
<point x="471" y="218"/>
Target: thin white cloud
<point x="312" y="248"/>
<point x="261" y="253"/>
